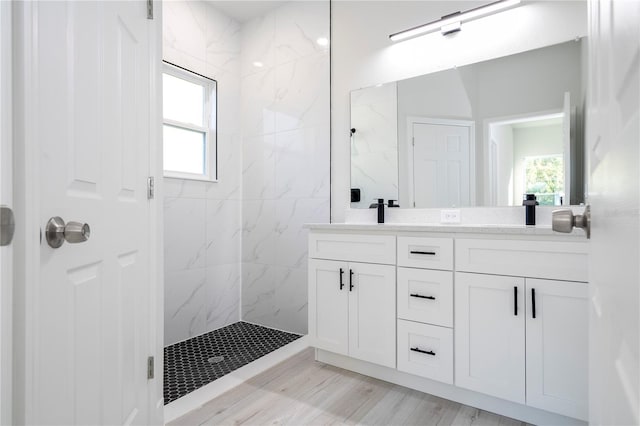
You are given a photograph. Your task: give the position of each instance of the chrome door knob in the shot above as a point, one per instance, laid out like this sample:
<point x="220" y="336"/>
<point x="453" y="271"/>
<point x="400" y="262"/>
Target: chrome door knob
<point x="564" y="221"/>
<point x="57" y="232"/>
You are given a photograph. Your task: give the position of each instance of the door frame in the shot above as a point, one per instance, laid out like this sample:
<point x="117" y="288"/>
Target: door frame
<point x="26" y="192"/>
<point x="470" y="124"/>
<point x="6" y="261"/>
<point x="489" y="187"/>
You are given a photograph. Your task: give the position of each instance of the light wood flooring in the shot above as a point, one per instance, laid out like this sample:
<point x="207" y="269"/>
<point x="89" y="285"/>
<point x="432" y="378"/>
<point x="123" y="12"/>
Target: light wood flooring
<point x="301" y="391"/>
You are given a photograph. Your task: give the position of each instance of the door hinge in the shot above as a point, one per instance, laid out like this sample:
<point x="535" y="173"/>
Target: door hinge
<point x="7" y="225"/>
<point x="149" y="9"/>
<point x="150" y="368"/>
<point x="151" y="188"/>
<point x="413" y="141"/>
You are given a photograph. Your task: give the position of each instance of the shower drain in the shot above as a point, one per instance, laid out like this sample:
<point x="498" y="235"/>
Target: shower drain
<point x="215" y="359"/>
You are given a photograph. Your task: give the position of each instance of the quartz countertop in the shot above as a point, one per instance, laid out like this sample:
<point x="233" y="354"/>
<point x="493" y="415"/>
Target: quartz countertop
<point x="448" y="228"/>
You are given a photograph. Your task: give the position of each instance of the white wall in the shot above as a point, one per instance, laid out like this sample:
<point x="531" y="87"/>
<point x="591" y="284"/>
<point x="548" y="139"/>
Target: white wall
<point x="285" y="122"/>
<point x="374" y="145"/>
<point x="362" y="54"/>
<point x="203" y="229"/>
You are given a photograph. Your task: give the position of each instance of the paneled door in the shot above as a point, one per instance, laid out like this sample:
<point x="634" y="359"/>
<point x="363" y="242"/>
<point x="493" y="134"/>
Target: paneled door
<point x="613" y="132"/>
<point x="557" y="346"/>
<point x="490" y="337"/>
<point x="441" y="165"/>
<point x="87" y="110"/>
<point x="372" y="313"/>
<point x="329" y="305"/>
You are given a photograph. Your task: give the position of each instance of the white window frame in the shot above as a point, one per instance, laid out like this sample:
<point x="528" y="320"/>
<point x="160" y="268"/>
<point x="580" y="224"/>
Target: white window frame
<point x="209" y="127"/>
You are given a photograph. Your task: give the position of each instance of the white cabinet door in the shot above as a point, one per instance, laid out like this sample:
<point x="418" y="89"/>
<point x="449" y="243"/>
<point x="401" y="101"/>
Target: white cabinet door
<point x="328" y="305"/>
<point x="372" y="313"/>
<point x="557" y="347"/>
<point x="489" y="335"/>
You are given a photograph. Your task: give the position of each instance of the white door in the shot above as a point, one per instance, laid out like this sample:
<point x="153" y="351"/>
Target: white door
<point x="557" y="346"/>
<point x="489" y="336"/>
<point x="372" y="313"/>
<point x="441" y="165"/>
<point x="613" y="132"/>
<point x="86" y="94"/>
<point x="6" y="199"/>
<point x="329" y="305"/>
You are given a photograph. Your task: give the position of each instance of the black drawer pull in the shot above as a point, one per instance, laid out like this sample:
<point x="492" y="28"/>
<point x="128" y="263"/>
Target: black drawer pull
<point x="533" y="302"/>
<point x="350" y="280"/>
<point x="430" y="253"/>
<point x="432" y="353"/>
<point x="515" y="300"/>
<point x="423" y="297"/>
<point x="341" y="282"/>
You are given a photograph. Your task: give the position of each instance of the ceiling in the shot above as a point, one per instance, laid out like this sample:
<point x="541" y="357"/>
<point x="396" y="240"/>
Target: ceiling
<point x="244" y="10"/>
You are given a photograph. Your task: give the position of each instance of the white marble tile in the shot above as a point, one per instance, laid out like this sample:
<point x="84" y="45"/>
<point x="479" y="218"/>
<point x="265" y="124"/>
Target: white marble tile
<point x="299" y="25"/>
<point x="258" y="291"/>
<point x="228" y="99"/>
<point x="258" y="44"/>
<point x="222" y="39"/>
<point x="258" y="94"/>
<point x="223" y="231"/>
<point x="222" y="305"/>
<point x="184" y="26"/>
<point x="291" y="300"/>
<point x="258" y="167"/>
<point x="184" y="225"/>
<point x="229" y="184"/>
<point x="258" y="231"/>
<point x="302" y="93"/>
<point x="302" y="163"/>
<point x="183" y="188"/>
<point x="184" y="304"/>
<point x="291" y="236"/>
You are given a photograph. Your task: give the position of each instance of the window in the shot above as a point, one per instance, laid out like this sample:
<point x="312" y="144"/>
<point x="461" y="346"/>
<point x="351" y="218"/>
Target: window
<point x="544" y="176"/>
<point x="189" y="125"/>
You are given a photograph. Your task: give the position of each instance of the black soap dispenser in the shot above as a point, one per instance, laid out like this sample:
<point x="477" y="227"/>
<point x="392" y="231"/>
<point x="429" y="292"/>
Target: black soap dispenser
<point x="530" y="204"/>
<point x="380" y="210"/>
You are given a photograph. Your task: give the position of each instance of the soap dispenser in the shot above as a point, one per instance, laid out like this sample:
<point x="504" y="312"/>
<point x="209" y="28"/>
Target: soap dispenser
<point x="380" y="210"/>
<point x="530" y="204"/>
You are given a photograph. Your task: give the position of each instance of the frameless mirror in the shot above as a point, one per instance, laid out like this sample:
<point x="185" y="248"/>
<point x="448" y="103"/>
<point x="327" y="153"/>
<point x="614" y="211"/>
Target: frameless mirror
<point x="483" y="134"/>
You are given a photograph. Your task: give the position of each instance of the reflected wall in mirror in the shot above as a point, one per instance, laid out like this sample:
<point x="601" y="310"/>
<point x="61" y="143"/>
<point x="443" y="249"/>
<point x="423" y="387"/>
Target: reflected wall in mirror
<point x="483" y="134"/>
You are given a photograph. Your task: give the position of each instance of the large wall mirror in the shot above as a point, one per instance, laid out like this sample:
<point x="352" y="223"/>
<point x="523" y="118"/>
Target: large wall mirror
<point x="483" y="134"/>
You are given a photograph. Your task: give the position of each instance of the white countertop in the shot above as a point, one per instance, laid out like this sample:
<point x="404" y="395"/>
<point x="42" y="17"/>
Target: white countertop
<point x="437" y="227"/>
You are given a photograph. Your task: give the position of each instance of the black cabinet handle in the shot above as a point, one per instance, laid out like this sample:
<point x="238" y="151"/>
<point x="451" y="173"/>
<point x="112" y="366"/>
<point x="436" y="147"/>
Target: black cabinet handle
<point x="423" y="297"/>
<point x="341" y="283"/>
<point x="350" y="280"/>
<point x="533" y="302"/>
<point x="430" y="253"/>
<point x="515" y="300"/>
<point x="432" y="353"/>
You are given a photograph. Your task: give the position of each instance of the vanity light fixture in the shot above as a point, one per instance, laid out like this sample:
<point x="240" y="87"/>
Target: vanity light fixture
<point x="452" y="23"/>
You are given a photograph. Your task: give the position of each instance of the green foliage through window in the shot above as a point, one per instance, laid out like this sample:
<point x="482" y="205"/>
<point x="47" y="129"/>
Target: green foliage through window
<point x="544" y="176"/>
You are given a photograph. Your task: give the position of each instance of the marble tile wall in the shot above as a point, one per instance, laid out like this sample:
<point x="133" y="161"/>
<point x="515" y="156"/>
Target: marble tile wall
<point x="203" y="226"/>
<point x="285" y="168"/>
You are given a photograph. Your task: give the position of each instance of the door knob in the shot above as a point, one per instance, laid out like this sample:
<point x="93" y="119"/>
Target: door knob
<point x="57" y="232"/>
<point x="564" y="221"/>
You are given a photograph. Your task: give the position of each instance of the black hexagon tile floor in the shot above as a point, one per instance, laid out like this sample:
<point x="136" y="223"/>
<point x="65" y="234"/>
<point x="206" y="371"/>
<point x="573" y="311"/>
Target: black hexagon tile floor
<point x="195" y="362"/>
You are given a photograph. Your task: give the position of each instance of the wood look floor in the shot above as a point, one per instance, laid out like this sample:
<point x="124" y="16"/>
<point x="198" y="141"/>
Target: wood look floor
<point x="301" y="391"/>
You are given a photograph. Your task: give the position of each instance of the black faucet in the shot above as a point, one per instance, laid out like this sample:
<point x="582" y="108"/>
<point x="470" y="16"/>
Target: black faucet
<point x="380" y="210"/>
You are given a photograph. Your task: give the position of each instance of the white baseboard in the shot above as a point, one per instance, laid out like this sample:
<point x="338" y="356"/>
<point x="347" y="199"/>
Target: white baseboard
<point x="450" y="392"/>
<point x="201" y="396"/>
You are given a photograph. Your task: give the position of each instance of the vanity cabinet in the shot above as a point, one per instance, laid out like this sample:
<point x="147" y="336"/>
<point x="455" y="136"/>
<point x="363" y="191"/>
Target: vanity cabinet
<point x="352" y="304"/>
<point x="499" y="322"/>
<point x="524" y="340"/>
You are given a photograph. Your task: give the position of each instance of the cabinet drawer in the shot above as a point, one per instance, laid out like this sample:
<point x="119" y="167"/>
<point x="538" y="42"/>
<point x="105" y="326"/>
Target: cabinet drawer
<point x="431" y="253"/>
<point x="353" y="247"/>
<point x="425" y="350"/>
<point x="425" y="296"/>
<point x="536" y="259"/>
